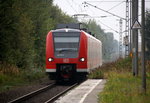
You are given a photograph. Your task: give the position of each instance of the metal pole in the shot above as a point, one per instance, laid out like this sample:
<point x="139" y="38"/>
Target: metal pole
<point x="126" y="38"/>
<point x="120" y="38"/>
<point x="133" y="36"/>
<point x="143" y="48"/>
<point x="130" y="27"/>
<point x="136" y="39"/>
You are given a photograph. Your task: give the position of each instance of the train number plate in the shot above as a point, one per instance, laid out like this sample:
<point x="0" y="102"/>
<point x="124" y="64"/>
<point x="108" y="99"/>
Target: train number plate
<point x="66" y="60"/>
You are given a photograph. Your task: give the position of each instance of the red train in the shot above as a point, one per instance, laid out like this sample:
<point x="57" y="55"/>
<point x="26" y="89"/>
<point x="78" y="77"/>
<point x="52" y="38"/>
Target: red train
<point x="71" y="53"/>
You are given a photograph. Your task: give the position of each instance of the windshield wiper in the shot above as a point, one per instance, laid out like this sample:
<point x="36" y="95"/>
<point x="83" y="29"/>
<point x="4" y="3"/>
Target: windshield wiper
<point x="66" y="49"/>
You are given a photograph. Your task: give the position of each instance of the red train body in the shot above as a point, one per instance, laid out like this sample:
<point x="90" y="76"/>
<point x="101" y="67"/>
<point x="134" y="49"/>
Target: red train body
<point x="71" y="53"/>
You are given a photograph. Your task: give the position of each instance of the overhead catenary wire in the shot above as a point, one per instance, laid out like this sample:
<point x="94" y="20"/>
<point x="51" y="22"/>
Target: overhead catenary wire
<point x="91" y="10"/>
<point x="88" y="16"/>
<point x="115" y="6"/>
<point x="105" y="11"/>
<point x="105" y="1"/>
<point x="79" y="5"/>
<point x="93" y="17"/>
<point x="71" y="5"/>
<point x="108" y="27"/>
<point x="101" y="1"/>
<point x="113" y="1"/>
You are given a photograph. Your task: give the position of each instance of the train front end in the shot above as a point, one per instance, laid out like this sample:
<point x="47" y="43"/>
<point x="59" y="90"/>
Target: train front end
<point x="66" y="54"/>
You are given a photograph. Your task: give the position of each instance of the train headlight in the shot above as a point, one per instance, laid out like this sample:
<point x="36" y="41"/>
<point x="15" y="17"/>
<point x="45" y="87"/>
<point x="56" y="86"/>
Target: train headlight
<point x="50" y="59"/>
<point x="82" y="59"/>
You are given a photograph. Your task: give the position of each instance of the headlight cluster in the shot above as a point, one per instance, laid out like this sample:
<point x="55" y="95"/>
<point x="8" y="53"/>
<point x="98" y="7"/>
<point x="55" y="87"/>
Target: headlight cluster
<point x="82" y="59"/>
<point x="50" y="59"/>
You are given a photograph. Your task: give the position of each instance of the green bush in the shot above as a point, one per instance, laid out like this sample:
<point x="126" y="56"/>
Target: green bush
<point x="96" y="75"/>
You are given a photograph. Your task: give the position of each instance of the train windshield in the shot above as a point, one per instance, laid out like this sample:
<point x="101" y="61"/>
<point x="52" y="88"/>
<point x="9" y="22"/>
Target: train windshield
<point x="66" y="45"/>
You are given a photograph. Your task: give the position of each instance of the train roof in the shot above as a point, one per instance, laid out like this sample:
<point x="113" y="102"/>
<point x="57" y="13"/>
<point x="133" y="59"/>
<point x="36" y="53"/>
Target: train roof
<point x="66" y="30"/>
<point x="91" y="36"/>
<point x="73" y="30"/>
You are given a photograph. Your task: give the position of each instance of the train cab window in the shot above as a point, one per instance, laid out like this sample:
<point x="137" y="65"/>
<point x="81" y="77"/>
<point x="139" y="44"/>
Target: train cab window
<point x="66" y="46"/>
<point x="66" y="39"/>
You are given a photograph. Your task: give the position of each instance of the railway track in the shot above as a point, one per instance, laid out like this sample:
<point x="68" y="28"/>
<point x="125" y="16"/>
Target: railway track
<point x="60" y="94"/>
<point x="31" y="94"/>
<point x="37" y="96"/>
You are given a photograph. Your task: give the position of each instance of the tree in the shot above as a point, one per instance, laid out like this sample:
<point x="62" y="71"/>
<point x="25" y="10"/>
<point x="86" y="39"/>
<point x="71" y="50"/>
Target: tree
<point x="24" y="25"/>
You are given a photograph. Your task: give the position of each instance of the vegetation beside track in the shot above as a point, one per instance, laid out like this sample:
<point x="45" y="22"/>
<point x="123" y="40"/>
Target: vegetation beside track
<point x="122" y="86"/>
<point x="11" y="76"/>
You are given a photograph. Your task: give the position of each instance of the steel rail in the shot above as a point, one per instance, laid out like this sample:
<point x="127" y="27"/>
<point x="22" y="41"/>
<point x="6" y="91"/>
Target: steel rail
<point x="60" y="94"/>
<point x="31" y="94"/>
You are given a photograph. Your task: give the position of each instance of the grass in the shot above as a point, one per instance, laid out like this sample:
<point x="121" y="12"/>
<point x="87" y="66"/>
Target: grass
<point x="124" y="88"/>
<point x="121" y="86"/>
<point x="11" y="76"/>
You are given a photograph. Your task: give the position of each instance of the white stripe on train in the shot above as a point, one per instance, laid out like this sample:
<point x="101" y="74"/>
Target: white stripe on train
<point x="78" y="70"/>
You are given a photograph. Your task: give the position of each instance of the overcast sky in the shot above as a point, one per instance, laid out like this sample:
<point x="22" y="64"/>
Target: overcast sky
<point x="109" y="23"/>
